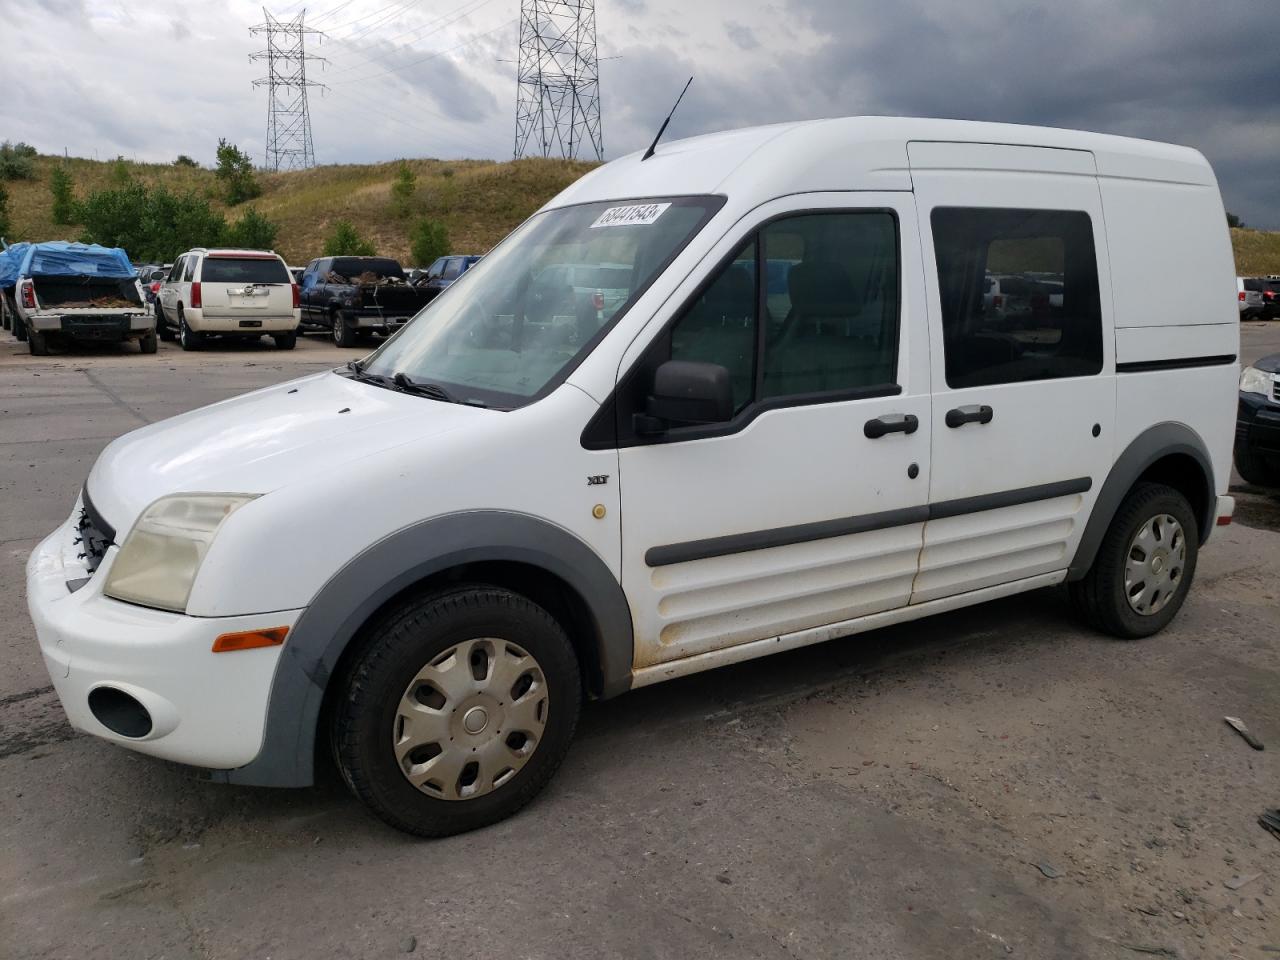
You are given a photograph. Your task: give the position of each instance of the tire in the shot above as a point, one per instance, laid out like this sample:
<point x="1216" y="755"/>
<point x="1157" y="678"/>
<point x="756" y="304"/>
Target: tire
<point x="410" y="643"/>
<point x="343" y="335"/>
<point x="1257" y="469"/>
<point x="37" y="343"/>
<point x="188" y="339"/>
<point x="1101" y="596"/>
<point x="285" y="341"/>
<point x="163" y="330"/>
<point x="19" y="328"/>
<point x="149" y="343"/>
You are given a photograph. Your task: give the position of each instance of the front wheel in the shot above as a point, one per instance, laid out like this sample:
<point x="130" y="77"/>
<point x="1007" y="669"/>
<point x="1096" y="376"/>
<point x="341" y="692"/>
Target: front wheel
<point x="1144" y="566"/>
<point x="458" y="711"/>
<point x="163" y="330"/>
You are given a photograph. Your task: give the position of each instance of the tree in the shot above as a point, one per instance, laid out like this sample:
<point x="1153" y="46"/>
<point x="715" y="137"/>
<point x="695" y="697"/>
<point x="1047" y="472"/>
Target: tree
<point x="428" y="240"/>
<point x="4" y="211"/>
<point x="235" y="170"/>
<point x="64" y="201"/>
<point x="1234" y="221"/>
<point x="253" y="231"/>
<point x="16" y="161"/>
<point x="346" y="242"/>
<point x="402" y="191"/>
<point x="184" y="161"/>
<point x="120" y="172"/>
<point x="151" y="224"/>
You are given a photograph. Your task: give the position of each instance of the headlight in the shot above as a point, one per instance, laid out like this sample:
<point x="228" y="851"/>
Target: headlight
<point x="162" y="554"/>
<point x="1253" y="380"/>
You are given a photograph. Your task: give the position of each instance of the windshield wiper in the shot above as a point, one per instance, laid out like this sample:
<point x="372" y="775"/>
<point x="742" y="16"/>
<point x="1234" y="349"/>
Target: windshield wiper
<point x="432" y="390"/>
<point x="378" y="380"/>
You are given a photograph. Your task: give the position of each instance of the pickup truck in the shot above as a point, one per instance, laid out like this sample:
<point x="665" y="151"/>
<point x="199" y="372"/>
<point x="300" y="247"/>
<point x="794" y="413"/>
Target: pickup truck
<point x="352" y="297"/>
<point x="76" y="291"/>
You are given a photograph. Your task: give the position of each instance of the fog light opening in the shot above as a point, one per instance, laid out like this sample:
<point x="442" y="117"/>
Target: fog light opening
<point x="119" y="712"/>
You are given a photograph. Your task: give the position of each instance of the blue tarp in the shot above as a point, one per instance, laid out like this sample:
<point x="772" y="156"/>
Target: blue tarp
<point x="58" y="258"/>
<point x="10" y="262"/>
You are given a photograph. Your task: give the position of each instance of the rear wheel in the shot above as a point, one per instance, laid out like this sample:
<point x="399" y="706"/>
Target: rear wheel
<point x="148" y="343"/>
<point x="285" y="341"/>
<point x="1144" y="566"/>
<point x="458" y="711"/>
<point x="1257" y="469"/>
<point x="37" y="343"/>
<point x="343" y="334"/>
<point x="19" y="327"/>
<point x="188" y="339"/>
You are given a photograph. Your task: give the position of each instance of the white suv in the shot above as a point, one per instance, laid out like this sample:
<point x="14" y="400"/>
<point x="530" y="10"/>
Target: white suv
<point x="798" y="424"/>
<point x="228" y="293"/>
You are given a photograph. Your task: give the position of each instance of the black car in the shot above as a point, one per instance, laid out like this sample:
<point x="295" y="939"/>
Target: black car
<point x="444" y="271"/>
<point x="1257" y="452"/>
<point x="1270" y="298"/>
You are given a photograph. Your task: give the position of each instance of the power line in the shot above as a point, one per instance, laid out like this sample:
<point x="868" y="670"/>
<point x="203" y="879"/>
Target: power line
<point x="558" y="80"/>
<point x="430" y="56"/>
<point x="443" y="21"/>
<point x="288" y="144"/>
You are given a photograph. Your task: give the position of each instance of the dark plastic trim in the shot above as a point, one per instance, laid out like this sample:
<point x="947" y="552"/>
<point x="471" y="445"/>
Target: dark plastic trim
<point x="825" y="529"/>
<point x="395" y="563"/>
<point x="1149" y="446"/>
<point x="96" y="518"/>
<point x="1178" y="363"/>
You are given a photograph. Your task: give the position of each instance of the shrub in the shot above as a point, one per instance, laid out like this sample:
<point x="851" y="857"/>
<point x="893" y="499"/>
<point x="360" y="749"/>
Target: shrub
<point x="1234" y="221"/>
<point x="151" y="224"/>
<point x="120" y="172"/>
<point x="62" y="187"/>
<point x="428" y="240"/>
<point x="402" y="191"/>
<point x="235" y="170"/>
<point x="346" y="242"/>
<point x="4" y="212"/>
<point x="252" y="231"/>
<point x="184" y="161"/>
<point x="16" y="161"/>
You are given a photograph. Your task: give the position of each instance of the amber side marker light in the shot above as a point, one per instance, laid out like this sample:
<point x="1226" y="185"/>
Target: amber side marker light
<point x="250" y="639"/>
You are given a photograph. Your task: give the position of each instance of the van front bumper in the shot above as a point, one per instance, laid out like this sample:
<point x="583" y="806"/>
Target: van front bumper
<point x="202" y="709"/>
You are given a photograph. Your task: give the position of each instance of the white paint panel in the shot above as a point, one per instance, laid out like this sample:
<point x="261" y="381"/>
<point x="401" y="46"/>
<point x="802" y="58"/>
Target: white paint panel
<point x="1170" y="254"/>
<point x="987" y="156"/>
<point x="1135" y="344"/>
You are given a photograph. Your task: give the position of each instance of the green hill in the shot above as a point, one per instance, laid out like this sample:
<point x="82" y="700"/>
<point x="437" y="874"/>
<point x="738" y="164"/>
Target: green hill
<point x="479" y="201"/>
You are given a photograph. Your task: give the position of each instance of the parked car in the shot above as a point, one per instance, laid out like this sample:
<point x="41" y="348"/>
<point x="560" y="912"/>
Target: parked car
<point x="10" y="262"/>
<point x="231" y="294"/>
<point x="444" y="271"/>
<point x="352" y="297"/>
<point x="547" y="512"/>
<point x="1270" y="297"/>
<point x="1257" y="447"/>
<point x="150" y="277"/>
<point x="1249" y="297"/>
<point x="74" y="291"/>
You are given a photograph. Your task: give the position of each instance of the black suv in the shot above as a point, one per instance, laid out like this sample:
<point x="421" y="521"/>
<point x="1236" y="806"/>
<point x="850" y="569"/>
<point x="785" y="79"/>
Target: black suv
<point x="1257" y="452"/>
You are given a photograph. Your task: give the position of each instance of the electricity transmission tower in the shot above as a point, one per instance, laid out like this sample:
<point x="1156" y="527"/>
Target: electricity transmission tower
<point x="558" y="91"/>
<point x="288" y="119"/>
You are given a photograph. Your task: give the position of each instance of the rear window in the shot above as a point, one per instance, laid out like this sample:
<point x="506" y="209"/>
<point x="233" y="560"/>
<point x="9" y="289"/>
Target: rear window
<point x="1251" y="284"/>
<point x="244" y="270"/>
<point x="354" y="266"/>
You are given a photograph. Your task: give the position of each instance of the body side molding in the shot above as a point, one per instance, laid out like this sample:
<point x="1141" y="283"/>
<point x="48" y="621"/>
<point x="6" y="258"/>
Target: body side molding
<point x="373" y="577"/>
<point x="1145" y="449"/>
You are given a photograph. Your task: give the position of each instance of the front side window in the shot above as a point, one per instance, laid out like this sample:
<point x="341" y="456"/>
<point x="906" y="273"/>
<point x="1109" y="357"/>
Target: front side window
<point x="1019" y="292"/>
<point x="525" y="315"/>
<point x="452" y="268"/>
<point x="827" y="284"/>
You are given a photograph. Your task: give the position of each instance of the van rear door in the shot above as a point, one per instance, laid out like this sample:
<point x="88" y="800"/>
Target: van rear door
<point x="246" y="286"/>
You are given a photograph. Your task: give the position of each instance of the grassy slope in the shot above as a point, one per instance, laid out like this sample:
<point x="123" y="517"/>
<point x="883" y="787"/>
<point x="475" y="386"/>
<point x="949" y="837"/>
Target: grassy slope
<point x="480" y="201"/>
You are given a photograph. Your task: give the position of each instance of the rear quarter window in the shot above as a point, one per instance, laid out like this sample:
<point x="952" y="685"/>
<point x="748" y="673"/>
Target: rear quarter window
<point x="244" y="270"/>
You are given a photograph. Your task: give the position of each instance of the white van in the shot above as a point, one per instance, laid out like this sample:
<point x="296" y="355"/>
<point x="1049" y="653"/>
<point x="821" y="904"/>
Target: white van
<point x="801" y="423"/>
<point x="233" y="294"/>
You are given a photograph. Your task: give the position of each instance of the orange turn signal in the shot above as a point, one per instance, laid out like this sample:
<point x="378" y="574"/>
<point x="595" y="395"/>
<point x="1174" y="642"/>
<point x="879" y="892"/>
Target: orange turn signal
<point x="249" y="639"/>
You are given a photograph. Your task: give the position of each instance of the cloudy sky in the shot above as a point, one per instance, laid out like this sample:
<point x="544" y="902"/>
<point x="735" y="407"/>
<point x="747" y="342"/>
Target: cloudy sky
<point x="411" y="78"/>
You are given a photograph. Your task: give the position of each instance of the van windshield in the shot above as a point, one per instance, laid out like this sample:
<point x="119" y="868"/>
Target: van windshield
<point x="510" y="328"/>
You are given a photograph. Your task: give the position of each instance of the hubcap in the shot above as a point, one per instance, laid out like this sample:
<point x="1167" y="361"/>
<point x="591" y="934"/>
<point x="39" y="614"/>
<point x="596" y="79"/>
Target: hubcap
<point x="1154" y="565"/>
<point x="470" y="719"/>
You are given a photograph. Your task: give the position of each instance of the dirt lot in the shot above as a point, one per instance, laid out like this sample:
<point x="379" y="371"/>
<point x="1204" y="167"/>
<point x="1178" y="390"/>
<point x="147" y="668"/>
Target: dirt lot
<point x="988" y="783"/>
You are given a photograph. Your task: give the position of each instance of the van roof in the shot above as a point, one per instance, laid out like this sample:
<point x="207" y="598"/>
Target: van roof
<point x="854" y="153"/>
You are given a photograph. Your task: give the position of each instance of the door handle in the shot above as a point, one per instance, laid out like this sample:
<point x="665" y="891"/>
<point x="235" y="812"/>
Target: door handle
<point x="972" y="413"/>
<point x="891" y="423"/>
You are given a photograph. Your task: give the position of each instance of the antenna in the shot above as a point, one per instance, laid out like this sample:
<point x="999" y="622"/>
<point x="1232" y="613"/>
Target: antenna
<point x="288" y="117"/>
<point x="558" y="80"/>
<point x="663" y="129"/>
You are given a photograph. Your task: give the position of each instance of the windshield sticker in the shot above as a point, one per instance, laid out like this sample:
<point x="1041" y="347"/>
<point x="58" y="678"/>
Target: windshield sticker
<point x="636" y="215"/>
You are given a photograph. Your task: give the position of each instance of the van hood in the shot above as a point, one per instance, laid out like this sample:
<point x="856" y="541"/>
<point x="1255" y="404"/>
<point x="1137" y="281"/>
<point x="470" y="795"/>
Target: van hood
<point x="261" y="441"/>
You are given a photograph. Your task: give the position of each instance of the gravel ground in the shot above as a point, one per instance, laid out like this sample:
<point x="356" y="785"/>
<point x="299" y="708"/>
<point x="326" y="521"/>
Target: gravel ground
<point x="993" y="782"/>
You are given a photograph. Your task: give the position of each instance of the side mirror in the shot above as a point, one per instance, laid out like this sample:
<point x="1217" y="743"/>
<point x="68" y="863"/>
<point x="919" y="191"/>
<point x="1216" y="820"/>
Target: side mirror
<point x="687" y="392"/>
